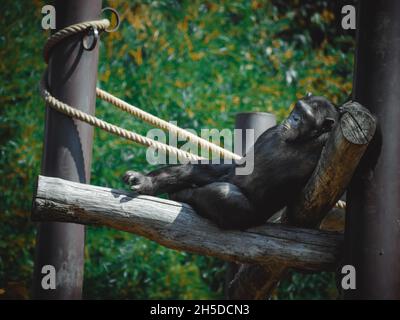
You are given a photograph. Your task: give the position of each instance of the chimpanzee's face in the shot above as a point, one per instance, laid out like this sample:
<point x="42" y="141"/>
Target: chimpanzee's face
<point x="310" y="117"/>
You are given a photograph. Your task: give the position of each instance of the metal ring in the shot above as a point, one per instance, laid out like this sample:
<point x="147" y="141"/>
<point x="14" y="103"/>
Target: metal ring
<point x="92" y="32"/>
<point x="115" y="12"/>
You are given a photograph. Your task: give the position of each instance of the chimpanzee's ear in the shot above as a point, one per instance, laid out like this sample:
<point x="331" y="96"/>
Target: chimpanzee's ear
<point x="328" y="124"/>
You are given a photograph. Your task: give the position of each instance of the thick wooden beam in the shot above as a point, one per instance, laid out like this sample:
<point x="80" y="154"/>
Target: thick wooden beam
<point x="339" y="159"/>
<point x="258" y="281"/>
<point x="177" y="226"/>
<point x="373" y="216"/>
<point x="67" y="150"/>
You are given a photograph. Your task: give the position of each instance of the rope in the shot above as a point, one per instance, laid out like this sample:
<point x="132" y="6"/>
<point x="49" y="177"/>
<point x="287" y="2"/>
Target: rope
<point x="101" y="25"/>
<point x="162" y="124"/>
<point x="53" y="102"/>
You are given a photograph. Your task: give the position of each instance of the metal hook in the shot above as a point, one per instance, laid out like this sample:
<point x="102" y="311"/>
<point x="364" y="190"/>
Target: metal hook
<point x="115" y="12"/>
<point x="92" y="33"/>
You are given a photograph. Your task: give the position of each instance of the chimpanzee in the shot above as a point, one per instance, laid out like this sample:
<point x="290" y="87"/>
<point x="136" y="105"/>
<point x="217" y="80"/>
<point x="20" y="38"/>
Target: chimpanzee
<point x="284" y="159"/>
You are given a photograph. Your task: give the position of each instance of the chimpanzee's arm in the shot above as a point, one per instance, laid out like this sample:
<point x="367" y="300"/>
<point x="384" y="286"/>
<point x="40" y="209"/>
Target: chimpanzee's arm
<point x="173" y="178"/>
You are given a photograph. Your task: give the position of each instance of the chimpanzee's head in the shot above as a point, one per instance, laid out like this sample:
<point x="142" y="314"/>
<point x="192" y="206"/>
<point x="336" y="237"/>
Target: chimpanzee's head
<point x="310" y="117"/>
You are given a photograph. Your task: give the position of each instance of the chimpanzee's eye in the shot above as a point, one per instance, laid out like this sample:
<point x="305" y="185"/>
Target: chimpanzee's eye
<point x="296" y="118"/>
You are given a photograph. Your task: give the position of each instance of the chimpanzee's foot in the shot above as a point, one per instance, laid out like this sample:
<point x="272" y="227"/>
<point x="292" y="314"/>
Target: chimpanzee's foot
<point x="138" y="182"/>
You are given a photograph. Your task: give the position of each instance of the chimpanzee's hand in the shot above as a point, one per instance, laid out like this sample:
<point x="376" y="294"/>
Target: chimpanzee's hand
<point x="138" y="182"/>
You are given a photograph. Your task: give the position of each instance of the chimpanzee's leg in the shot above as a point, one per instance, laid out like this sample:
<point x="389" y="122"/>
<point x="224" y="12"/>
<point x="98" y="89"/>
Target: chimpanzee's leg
<point x="221" y="202"/>
<point x="173" y="178"/>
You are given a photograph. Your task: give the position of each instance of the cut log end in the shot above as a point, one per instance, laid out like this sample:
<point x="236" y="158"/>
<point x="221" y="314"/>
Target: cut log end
<point x="358" y="127"/>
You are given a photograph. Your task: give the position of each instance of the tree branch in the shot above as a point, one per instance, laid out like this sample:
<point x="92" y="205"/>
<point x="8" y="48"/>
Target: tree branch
<point x="177" y="226"/>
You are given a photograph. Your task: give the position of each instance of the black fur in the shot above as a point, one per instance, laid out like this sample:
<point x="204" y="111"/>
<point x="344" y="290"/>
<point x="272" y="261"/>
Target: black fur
<point x="284" y="158"/>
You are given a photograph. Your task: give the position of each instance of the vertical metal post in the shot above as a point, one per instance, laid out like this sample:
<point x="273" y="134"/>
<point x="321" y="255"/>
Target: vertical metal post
<point x="259" y="122"/>
<point x="67" y="149"/>
<point x="372" y="237"/>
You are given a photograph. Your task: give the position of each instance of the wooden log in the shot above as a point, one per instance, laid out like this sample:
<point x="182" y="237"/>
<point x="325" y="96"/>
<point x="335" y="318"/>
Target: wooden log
<point x="256" y="282"/>
<point x="253" y="281"/>
<point x="333" y="221"/>
<point x="338" y="161"/>
<point x="177" y="226"/>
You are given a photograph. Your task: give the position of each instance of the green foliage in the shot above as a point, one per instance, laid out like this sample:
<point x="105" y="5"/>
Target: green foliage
<point x="194" y="62"/>
<point x="121" y="265"/>
<point x="21" y="131"/>
<point x="308" y="286"/>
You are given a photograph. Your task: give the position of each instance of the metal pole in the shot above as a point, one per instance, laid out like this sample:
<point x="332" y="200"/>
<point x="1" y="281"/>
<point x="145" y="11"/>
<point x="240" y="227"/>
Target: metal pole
<point x="259" y="122"/>
<point x="372" y="237"/>
<point x="67" y="149"/>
